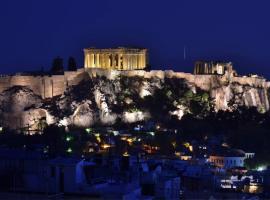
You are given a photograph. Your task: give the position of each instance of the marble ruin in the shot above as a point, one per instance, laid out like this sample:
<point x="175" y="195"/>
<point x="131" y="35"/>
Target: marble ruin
<point x="129" y="62"/>
<point x="116" y="59"/>
<point x="212" y="67"/>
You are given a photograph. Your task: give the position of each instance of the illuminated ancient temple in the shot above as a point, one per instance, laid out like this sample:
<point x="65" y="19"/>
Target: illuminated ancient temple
<point x="117" y="58"/>
<point x="213" y="67"/>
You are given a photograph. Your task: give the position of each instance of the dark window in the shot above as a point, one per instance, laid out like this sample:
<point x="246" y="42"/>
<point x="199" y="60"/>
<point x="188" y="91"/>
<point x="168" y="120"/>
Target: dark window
<point x="52" y="171"/>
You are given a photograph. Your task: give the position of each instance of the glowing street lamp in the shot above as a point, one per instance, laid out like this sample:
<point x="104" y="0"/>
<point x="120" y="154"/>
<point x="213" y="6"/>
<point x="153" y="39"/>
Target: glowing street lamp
<point x="88" y="130"/>
<point x="69" y="150"/>
<point x="68" y="138"/>
<point x="152" y="133"/>
<point x="125" y="154"/>
<point x="261" y="168"/>
<point x="106" y="146"/>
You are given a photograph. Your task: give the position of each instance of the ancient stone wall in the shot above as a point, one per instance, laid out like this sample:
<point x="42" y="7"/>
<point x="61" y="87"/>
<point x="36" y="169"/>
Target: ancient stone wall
<point x="220" y="87"/>
<point x="44" y="86"/>
<point x="251" y="81"/>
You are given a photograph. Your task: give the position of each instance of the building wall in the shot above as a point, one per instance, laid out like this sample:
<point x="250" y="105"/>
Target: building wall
<point x="227" y="162"/>
<point x="168" y="189"/>
<point x="69" y="178"/>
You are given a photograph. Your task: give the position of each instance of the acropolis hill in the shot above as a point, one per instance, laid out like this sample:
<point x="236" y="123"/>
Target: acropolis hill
<point x="116" y="78"/>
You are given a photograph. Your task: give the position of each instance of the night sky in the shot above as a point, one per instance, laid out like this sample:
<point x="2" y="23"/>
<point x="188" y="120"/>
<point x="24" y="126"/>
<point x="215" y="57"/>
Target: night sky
<point x="33" y="32"/>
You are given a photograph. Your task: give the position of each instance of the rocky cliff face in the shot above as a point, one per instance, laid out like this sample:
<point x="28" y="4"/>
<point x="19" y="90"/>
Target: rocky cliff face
<point x="107" y="97"/>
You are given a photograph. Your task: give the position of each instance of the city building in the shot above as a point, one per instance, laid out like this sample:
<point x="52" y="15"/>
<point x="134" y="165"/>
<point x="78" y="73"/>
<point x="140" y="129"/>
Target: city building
<point x="249" y="155"/>
<point x="22" y="170"/>
<point x="228" y="158"/>
<point x="213" y="67"/>
<point x="167" y="188"/>
<point x="117" y="58"/>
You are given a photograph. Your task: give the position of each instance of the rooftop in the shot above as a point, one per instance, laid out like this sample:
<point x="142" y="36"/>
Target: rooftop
<point x="227" y="152"/>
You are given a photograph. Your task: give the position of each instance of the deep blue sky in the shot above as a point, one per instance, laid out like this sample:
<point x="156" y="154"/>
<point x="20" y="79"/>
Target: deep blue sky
<point x="33" y="32"/>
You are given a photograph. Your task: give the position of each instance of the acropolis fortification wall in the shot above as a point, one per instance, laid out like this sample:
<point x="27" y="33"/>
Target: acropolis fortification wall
<point x="49" y="86"/>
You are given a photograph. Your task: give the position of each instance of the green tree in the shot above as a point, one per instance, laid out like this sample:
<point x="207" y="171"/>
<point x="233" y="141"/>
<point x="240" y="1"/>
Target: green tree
<point x="57" y="65"/>
<point x="72" y="65"/>
<point x="188" y="94"/>
<point x="205" y="97"/>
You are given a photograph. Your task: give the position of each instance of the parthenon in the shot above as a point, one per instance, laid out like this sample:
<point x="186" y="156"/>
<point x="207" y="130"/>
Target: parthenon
<point x="117" y="58"/>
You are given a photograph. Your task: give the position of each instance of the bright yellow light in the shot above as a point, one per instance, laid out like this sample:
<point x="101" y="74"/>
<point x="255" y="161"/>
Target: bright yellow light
<point x="126" y="154"/>
<point x="186" y="144"/>
<point x="174" y="144"/>
<point x="130" y="140"/>
<point x="191" y="148"/>
<point x="177" y="153"/>
<point x="98" y="139"/>
<point x="185" y="157"/>
<point x="106" y="146"/>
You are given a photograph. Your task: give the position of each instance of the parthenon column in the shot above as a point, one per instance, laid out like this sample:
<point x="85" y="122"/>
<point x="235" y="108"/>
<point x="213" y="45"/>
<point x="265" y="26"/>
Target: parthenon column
<point x="86" y="60"/>
<point x="113" y="61"/>
<point x="132" y="61"/>
<point x="124" y="61"/>
<point x="104" y="61"/>
<point x="128" y="61"/>
<point x="92" y="60"/>
<point x="101" y="60"/>
<point x="97" y="60"/>
<point x="143" y="61"/>
<point x="107" y="61"/>
<point x="135" y="61"/>
<point x="138" y="61"/>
